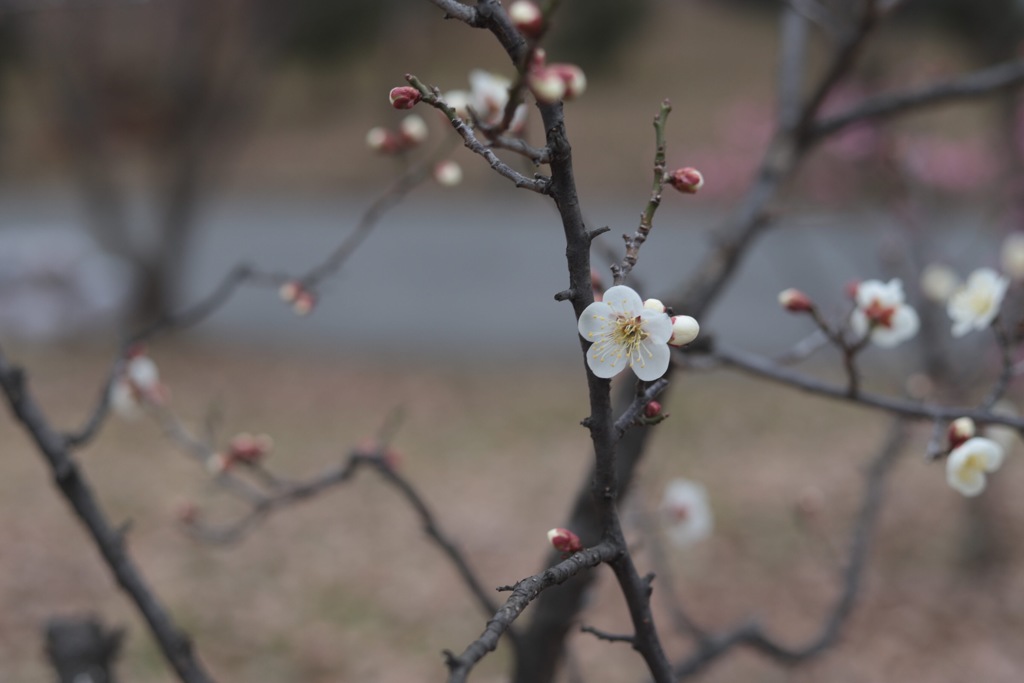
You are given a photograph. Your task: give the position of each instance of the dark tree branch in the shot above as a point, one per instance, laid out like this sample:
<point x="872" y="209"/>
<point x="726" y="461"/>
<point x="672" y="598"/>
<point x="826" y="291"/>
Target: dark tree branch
<point x="764" y="368"/>
<point x="604" y="635"/>
<point x="752" y="635"/>
<point x="523" y="594"/>
<point x="173" y="643"/>
<point x="539" y="183"/>
<point x="631" y="415"/>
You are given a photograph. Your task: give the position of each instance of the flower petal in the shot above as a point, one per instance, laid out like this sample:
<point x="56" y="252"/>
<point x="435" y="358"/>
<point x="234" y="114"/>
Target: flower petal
<point x="658" y="326"/>
<point x="653" y="361"/>
<point x="596" y="320"/>
<point x="606" y="360"/>
<point x="624" y="300"/>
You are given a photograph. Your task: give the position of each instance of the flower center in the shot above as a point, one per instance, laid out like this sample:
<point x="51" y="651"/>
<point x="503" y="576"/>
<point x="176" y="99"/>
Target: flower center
<point x="629" y="332"/>
<point x="879" y="315"/>
<point x="980" y="302"/>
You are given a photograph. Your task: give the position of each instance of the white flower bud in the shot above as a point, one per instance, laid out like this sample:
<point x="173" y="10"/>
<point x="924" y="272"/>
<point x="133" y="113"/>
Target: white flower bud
<point x="414" y="129"/>
<point x="1012" y="255"/>
<point x="546" y="85"/>
<point x="448" y="173"/>
<point x="684" y="330"/>
<point x="938" y="282"/>
<point x="654" y="305"/>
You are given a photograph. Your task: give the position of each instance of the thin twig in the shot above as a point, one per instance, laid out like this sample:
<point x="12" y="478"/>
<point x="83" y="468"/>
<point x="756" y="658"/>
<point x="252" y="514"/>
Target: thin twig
<point x="621" y="271"/>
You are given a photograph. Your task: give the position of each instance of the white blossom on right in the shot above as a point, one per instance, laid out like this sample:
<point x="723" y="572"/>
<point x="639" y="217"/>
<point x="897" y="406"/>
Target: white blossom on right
<point x="975" y="304"/>
<point x="685" y="512"/>
<point x="882" y="313"/>
<point x="968" y="464"/>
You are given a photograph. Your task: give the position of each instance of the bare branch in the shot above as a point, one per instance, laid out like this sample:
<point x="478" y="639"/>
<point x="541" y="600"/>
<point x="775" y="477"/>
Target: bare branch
<point x="539" y="183"/>
<point x="456" y="10"/>
<point x="974" y="85"/>
<point x="631" y="415"/>
<point x="523" y="594"/>
<point x="604" y="635"/>
<point x="636" y="240"/>
<point x="753" y="635"/>
<point x="762" y="367"/>
<point x="173" y="643"/>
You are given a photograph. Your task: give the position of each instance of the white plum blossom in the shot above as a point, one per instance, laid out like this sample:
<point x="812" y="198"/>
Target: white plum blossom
<point x="882" y="313"/>
<point x="137" y="383"/>
<point x="976" y="303"/>
<point x="624" y="333"/>
<point x="685" y="512"/>
<point x="969" y="462"/>
<point x="938" y="282"/>
<point x="487" y="98"/>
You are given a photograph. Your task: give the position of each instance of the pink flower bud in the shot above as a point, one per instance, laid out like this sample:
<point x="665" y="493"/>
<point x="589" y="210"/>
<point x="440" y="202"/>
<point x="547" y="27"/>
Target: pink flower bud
<point x="304" y="302"/>
<point x="597" y="285"/>
<point x="564" y="540"/>
<point x="448" y="173"/>
<point x="684" y="330"/>
<point x="546" y="85"/>
<point x="404" y="97"/>
<point x="527" y="17"/>
<point x="795" y="301"/>
<point x="652" y="409"/>
<point x="851" y="289"/>
<point x="573" y="77"/>
<point x="960" y="430"/>
<point x="687" y="180"/>
<point x="248" y="448"/>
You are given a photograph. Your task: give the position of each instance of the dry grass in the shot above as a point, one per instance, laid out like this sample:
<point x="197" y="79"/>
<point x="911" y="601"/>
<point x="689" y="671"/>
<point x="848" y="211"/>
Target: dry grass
<point x="345" y="588"/>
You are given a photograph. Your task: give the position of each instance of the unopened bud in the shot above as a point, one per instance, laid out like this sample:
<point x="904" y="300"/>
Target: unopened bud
<point x="564" y="540"/>
<point x="289" y="291"/>
<point x="546" y="85"/>
<point x="248" y="448"/>
<point x="526" y="17"/>
<point x="573" y="78"/>
<point x="304" y="302"/>
<point x="960" y="430"/>
<point x="413" y="129"/>
<point x="687" y="180"/>
<point x="382" y="140"/>
<point x="652" y="409"/>
<point x="851" y="289"/>
<point x="654" y="305"/>
<point x="684" y="330"/>
<point x="404" y="97"/>
<point x="938" y="282"/>
<point x="795" y="301"/>
<point x="597" y="285"/>
<point x="448" y="173"/>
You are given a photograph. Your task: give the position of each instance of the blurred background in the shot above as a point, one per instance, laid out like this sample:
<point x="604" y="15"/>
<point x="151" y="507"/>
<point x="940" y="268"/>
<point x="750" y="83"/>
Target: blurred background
<point x="148" y="146"/>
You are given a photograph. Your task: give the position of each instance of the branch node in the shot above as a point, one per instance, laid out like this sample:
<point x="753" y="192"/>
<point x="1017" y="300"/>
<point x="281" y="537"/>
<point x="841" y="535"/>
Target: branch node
<point x="565" y="295"/>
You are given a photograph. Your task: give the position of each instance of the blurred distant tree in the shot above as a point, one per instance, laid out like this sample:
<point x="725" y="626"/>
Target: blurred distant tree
<point x="149" y="101"/>
<point x="324" y="32"/>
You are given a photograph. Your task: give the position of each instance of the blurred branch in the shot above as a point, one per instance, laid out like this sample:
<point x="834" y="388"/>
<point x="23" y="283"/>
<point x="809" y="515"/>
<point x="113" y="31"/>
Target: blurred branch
<point x="243" y="274"/>
<point x="753" y="635"/>
<point x="977" y="84"/>
<point x="173" y="643"/>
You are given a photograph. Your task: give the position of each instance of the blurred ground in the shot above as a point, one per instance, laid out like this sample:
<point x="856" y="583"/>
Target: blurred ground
<point x="346" y="588"/>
